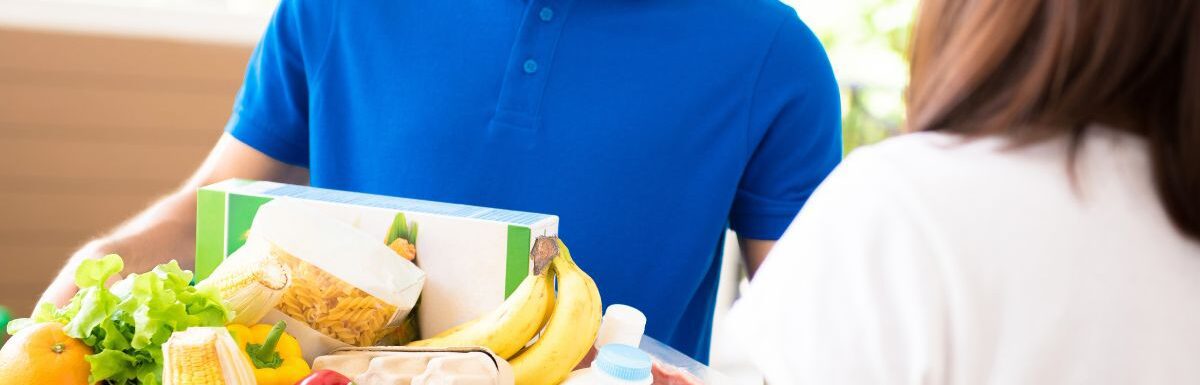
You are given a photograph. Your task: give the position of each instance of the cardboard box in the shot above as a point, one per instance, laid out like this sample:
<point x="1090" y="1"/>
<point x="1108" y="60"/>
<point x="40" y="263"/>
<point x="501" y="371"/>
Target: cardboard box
<point x="473" y="257"/>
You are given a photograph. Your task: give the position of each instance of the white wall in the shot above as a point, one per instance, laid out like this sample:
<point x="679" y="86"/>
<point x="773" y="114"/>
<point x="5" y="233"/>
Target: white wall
<point x="214" y="21"/>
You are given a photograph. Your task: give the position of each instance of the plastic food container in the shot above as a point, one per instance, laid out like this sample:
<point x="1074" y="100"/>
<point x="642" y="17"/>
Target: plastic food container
<point x="674" y="367"/>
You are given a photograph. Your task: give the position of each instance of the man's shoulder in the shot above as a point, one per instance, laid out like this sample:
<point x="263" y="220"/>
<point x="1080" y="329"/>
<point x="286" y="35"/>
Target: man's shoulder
<point x="312" y="4"/>
<point x="761" y="8"/>
<point x="753" y="27"/>
<point x="746" y="13"/>
<point x="310" y="11"/>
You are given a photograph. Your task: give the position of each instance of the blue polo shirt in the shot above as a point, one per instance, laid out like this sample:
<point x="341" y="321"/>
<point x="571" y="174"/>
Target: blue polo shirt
<point x="648" y="126"/>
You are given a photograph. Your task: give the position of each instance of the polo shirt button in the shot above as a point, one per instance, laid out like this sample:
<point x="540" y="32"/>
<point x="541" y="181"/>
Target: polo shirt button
<point x="546" y="14"/>
<point x="530" y="66"/>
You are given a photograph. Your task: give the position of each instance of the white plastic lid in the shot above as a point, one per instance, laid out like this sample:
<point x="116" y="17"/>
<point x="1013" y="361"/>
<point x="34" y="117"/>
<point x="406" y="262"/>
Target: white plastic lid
<point x="622" y="324"/>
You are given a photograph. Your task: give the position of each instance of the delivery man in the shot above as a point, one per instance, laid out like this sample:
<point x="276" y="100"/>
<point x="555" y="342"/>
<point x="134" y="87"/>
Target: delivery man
<point x="648" y="126"/>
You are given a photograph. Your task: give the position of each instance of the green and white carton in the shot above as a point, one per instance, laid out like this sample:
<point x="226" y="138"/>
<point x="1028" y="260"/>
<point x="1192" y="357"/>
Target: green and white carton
<point x="473" y="257"/>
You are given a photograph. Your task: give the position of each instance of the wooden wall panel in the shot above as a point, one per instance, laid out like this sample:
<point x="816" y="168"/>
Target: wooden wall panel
<point x="109" y="109"/>
<point x="92" y="128"/>
<point x="59" y="158"/>
<point x="65" y="53"/>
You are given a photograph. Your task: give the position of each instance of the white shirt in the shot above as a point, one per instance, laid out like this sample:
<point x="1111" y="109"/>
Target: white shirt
<point x="930" y="260"/>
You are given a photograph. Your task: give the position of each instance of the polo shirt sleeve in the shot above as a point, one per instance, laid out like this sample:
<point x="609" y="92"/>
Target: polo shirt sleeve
<point x="794" y="133"/>
<point x="270" y="113"/>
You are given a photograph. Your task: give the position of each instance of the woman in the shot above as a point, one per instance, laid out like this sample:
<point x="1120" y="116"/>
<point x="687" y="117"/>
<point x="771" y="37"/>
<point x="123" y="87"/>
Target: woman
<point x="1042" y="227"/>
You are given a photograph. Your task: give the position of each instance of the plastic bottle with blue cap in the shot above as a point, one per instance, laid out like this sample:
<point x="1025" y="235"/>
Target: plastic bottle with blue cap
<point x="616" y="364"/>
<point x="622" y="324"/>
<point x="618" y="361"/>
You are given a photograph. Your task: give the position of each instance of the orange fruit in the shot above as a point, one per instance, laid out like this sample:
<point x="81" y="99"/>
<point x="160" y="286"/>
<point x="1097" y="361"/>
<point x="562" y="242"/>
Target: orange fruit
<point x="43" y="354"/>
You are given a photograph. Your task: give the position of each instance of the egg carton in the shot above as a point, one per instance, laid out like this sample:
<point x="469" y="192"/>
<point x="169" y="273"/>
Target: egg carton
<point x="397" y="365"/>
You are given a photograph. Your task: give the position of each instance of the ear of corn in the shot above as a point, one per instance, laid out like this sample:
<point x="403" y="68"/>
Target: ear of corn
<point x="249" y="288"/>
<point x="404" y="248"/>
<point x="205" y="356"/>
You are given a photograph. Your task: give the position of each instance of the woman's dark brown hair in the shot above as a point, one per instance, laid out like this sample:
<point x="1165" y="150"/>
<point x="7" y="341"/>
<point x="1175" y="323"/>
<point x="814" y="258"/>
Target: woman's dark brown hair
<point x="1036" y="69"/>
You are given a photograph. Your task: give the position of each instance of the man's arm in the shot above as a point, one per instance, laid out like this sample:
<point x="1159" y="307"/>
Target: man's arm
<point x="754" y="252"/>
<point x="167" y="229"/>
<point x="795" y="128"/>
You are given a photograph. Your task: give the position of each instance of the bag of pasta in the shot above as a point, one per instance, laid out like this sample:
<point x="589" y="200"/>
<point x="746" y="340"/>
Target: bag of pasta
<point x="346" y="288"/>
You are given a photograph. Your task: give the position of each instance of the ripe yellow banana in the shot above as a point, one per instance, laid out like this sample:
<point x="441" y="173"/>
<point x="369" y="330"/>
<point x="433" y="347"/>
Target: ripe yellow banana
<point x="509" y="327"/>
<point x="571" y="329"/>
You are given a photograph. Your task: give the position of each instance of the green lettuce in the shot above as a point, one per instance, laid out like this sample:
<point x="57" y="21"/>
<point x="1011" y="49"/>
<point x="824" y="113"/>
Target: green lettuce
<point x="127" y="324"/>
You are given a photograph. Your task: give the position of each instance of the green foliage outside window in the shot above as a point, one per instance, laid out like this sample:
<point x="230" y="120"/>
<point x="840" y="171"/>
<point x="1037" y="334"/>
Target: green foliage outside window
<point x="867" y="42"/>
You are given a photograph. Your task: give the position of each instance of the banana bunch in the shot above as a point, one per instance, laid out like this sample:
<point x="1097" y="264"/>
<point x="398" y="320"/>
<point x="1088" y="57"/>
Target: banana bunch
<point x="568" y="320"/>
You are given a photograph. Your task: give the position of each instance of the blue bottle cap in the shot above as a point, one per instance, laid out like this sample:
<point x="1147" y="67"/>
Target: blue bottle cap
<point x="623" y="362"/>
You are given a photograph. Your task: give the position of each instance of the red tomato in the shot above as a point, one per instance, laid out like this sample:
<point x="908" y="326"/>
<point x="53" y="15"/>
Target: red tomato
<point x="324" y="377"/>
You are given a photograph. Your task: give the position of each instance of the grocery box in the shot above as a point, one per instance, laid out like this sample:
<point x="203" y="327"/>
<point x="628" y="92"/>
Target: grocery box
<point x="473" y="257"/>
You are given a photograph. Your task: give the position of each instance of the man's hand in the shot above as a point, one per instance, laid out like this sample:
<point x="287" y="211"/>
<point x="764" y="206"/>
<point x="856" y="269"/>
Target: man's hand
<point x="754" y="252"/>
<point x="62" y="288"/>
<point x="167" y="229"/>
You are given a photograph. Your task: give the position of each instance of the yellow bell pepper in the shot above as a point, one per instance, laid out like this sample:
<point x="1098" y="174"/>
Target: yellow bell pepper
<point x="274" y="354"/>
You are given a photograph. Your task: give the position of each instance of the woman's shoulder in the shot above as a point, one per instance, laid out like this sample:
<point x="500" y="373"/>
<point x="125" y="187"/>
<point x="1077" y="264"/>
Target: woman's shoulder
<point x="954" y="181"/>
<point x="947" y="159"/>
<point x="951" y="179"/>
<point x="929" y="149"/>
<point x="938" y="160"/>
